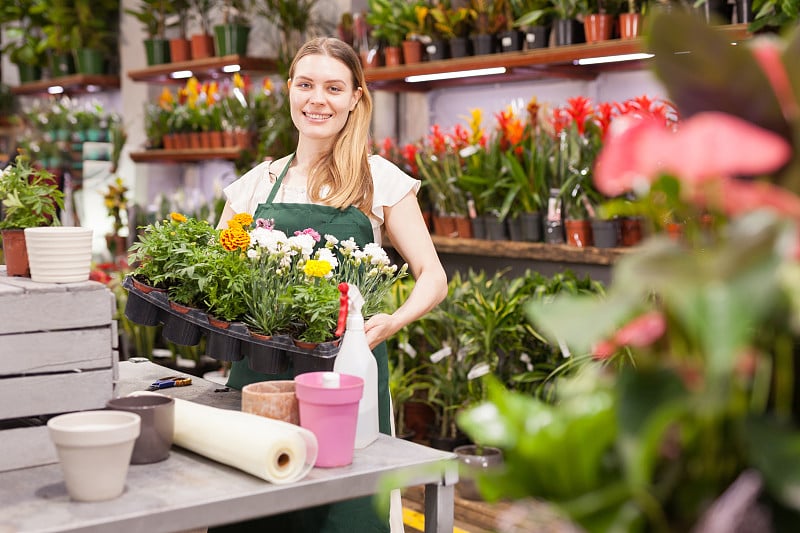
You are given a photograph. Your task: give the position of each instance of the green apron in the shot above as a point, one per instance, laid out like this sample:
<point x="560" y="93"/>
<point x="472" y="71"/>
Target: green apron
<point x="352" y="515"/>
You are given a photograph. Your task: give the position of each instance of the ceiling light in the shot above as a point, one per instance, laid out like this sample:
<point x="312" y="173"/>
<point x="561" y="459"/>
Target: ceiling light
<point x="55" y="89"/>
<point x="611" y="59"/>
<point x="181" y="74"/>
<point x="457" y="74"/>
<point x="231" y="68"/>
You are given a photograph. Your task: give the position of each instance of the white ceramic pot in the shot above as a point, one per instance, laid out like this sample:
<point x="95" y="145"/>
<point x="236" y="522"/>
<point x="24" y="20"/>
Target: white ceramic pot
<point x="59" y="254"/>
<point x="94" y="449"/>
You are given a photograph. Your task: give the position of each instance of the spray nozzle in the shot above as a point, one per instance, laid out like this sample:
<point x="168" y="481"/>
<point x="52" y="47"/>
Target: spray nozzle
<point x="350" y="302"/>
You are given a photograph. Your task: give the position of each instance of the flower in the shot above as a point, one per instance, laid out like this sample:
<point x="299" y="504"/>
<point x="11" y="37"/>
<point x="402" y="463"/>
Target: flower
<point x="690" y="387"/>
<point x="30" y="196"/>
<point x="116" y="203"/>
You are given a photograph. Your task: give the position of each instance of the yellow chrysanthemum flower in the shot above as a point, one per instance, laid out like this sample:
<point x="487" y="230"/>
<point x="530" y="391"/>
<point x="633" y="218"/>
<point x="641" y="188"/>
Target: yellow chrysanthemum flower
<point x="177" y="217"/>
<point x="316" y="268"/>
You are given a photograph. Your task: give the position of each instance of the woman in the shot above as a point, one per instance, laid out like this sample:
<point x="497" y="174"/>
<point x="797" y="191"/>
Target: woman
<point x="331" y="185"/>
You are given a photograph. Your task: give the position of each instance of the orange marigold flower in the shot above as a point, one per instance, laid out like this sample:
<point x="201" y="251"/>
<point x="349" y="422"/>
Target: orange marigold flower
<point x="234" y="238"/>
<point x="242" y="219"/>
<point x="177" y="217"/>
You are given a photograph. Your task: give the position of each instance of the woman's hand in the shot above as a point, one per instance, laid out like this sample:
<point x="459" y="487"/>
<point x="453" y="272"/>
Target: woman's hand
<point x="379" y="328"/>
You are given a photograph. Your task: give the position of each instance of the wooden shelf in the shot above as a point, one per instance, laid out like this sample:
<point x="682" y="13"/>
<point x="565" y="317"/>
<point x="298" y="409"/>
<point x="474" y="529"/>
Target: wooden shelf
<point x="557" y="61"/>
<point x="183" y="156"/>
<point x="72" y="84"/>
<point x="207" y="68"/>
<point x="557" y="253"/>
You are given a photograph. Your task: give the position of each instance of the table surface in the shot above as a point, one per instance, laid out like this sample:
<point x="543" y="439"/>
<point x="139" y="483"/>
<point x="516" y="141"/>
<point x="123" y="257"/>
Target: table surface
<point x="189" y="491"/>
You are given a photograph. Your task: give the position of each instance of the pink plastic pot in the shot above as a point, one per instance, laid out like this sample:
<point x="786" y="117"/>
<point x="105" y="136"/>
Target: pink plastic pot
<point x="328" y="404"/>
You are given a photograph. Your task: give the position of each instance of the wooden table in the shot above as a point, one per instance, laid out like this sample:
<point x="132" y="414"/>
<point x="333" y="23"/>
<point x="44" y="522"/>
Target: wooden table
<point x="189" y="491"/>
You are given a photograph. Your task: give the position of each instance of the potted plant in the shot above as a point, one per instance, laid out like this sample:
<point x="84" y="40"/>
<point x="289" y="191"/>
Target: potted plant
<point x="630" y="20"/>
<point x="30" y="198"/>
<point x="489" y="20"/>
<point x="535" y="20"/>
<point x="61" y="18"/>
<point x="203" y="40"/>
<point x="566" y="25"/>
<point x="180" y="48"/>
<point x="454" y="24"/>
<point x="93" y="37"/>
<point x="25" y="41"/>
<point x="152" y="14"/>
<point x="232" y="35"/>
<point x="386" y="18"/>
<point x="598" y="20"/>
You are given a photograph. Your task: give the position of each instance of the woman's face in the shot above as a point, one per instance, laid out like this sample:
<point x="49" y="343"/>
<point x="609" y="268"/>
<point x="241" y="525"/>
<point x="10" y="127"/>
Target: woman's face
<point x="321" y="95"/>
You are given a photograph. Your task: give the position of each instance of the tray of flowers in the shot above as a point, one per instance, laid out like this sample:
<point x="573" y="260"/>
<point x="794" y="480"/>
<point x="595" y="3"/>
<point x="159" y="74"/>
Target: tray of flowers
<point x="251" y="290"/>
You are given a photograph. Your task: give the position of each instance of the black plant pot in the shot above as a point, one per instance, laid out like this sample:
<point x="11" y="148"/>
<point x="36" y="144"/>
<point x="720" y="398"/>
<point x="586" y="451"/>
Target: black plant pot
<point x="495" y="228"/>
<point x="140" y="311"/>
<point x="606" y="233"/>
<point x="716" y="11"/>
<point x="223" y="346"/>
<point x="478" y="228"/>
<point x="568" y="32"/>
<point x="537" y="37"/>
<point x="511" y="41"/>
<point x="483" y="44"/>
<point x="266" y="359"/>
<point x="437" y="50"/>
<point x="526" y="227"/>
<point x="460" y="47"/>
<point x="181" y="331"/>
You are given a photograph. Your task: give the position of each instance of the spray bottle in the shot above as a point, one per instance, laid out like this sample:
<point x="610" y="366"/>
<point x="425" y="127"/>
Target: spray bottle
<point x="355" y="358"/>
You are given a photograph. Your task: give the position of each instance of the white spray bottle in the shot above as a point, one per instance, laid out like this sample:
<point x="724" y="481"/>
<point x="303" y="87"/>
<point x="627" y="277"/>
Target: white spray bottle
<point x="355" y="358"/>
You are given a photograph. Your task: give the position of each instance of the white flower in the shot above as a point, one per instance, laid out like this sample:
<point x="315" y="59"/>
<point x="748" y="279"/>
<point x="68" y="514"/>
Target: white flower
<point x="304" y="243"/>
<point x="479" y="370"/>
<point x="348" y="246"/>
<point x="441" y="354"/>
<point x="330" y="239"/>
<point x="271" y="239"/>
<point x="252" y="254"/>
<point x="326" y="254"/>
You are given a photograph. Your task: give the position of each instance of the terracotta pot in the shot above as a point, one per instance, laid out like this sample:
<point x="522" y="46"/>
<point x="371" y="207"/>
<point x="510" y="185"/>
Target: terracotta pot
<point x="579" y="232"/>
<point x="598" y="27"/>
<point x="180" y="50"/>
<point x="194" y="141"/>
<point x="630" y="25"/>
<point x="15" y="253"/>
<point x="228" y="139"/>
<point x="631" y="231"/>
<point x="202" y="45"/>
<point x="393" y="56"/>
<point x="412" y="52"/>
<point x="464" y="227"/>
<point x="215" y="138"/>
<point x="272" y="399"/>
<point x="370" y="58"/>
<point x="218" y="322"/>
<point x="169" y="141"/>
<point x="444" y="226"/>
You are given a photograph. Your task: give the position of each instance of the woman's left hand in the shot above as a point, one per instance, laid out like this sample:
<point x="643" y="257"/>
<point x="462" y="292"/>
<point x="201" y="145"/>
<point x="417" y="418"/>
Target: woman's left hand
<point x="379" y="328"/>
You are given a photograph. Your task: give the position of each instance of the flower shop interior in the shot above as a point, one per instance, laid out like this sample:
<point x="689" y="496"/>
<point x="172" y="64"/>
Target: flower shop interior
<point x="611" y="187"/>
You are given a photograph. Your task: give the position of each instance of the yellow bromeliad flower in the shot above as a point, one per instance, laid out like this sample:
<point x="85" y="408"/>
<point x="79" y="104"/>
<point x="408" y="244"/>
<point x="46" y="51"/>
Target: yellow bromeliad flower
<point x="474" y="122"/>
<point x="317" y="268"/>
<point x="166" y="101"/>
<point x="234" y="238"/>
<point x="192" y="91"/>
<point x="177" y="217"/>
<point x="238" y="81"/>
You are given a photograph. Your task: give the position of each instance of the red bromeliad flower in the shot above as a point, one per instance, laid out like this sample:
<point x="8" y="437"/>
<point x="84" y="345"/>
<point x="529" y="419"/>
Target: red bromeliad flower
<point x="511" y="130"/>
<point x="409" y="152"/>
<point x="437" y="140"/>
<point x="460" y="137"/>
<point x="579" y="109"/>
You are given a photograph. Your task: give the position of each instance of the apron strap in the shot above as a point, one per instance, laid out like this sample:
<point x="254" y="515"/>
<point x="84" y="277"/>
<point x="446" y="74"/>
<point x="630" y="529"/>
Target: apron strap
<point x="279" y="181"/>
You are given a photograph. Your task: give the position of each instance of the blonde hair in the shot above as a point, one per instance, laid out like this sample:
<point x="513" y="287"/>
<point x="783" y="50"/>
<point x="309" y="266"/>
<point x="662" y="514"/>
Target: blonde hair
<point x="344" y="170"/>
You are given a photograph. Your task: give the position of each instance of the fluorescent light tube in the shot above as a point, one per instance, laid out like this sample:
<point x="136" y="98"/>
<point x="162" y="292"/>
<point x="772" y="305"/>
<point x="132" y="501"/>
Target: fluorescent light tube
<point x="611" y="59"/>
<point x="55" y="89"/>
<point x="181" y="74"/>
<point x="457" y="74"/>
<point x="231" y="68"/>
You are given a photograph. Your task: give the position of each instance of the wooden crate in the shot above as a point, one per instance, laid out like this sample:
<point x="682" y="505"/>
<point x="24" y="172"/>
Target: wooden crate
<point x="58" y="353"/>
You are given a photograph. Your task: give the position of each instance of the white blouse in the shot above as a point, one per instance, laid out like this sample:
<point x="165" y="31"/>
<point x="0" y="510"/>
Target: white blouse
<point x="390" y="186"/>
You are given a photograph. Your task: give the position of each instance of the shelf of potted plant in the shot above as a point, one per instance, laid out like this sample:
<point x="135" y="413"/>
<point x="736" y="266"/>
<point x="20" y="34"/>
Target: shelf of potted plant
<point x="160" y="156"/>
<point x="71" y="84"/>
<point x="558" y="61"/>
<point x="205" y="68"/>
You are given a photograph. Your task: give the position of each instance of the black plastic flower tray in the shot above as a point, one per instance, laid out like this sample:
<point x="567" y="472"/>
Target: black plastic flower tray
<point x="273" y="355"/>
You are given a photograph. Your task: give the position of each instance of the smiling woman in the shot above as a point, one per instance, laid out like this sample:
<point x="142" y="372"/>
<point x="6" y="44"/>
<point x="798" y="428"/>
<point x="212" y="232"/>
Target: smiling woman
<point x="331" y="183"/>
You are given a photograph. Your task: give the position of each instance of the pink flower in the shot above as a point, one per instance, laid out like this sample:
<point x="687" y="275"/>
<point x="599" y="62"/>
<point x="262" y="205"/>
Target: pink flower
<point x="604" y="350"/>
<point x="311" y="232"/>
<point x="642" y="331"/>
<point x="707" y="146"/>
<point x="768" y="54"/>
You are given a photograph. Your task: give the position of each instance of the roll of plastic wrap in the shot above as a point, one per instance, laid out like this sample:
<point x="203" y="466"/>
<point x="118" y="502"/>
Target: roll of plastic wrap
<point x="272" y="450"/>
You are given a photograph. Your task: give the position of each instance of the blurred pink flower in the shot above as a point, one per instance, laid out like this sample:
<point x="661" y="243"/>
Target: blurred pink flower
<point x="707" y="146"/>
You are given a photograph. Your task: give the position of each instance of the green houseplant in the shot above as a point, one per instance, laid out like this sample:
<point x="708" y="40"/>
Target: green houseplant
<point x="30" y="198"/>
<point x="93" y="36"/>
<point x="152" y="14"/>
<point x="232" y="35"/>
<point x="23" y="23"/>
